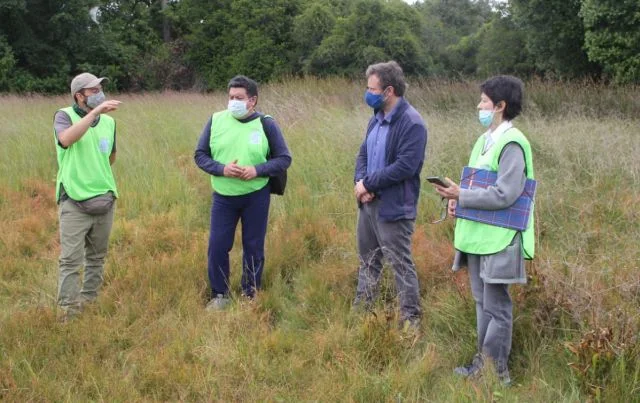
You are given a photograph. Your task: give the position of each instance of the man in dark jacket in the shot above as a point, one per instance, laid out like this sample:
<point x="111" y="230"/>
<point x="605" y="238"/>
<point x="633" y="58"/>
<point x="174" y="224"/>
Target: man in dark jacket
<point x="387" y="185"/>
<point x="241" y="149"/>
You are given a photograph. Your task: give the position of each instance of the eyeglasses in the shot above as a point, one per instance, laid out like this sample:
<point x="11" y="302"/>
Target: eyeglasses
<point x="443" y="214"/>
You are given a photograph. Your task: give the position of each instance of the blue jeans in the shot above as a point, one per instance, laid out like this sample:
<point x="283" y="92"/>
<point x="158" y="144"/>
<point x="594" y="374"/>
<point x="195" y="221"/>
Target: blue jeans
<point x="253" y="211"/>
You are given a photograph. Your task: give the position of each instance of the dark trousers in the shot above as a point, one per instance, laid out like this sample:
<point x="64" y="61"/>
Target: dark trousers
<point x="253" y="211"/>
<point x="392" y="240"/>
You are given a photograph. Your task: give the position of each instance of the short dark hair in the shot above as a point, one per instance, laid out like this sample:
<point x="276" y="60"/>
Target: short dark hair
<point x="246" y="83"/>
<point x="390" y="75"/>
<point x="509" y="89"/>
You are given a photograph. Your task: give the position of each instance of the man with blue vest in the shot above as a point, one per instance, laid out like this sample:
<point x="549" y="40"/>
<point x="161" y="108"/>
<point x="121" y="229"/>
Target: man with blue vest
<point x="387" y="186"/>
<point x="240" y="148"/>
<point x="85" y="190"/>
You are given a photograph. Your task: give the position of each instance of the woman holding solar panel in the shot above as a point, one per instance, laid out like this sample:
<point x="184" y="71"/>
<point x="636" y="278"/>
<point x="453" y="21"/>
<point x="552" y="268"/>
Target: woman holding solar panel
<point x="494" y="237"/>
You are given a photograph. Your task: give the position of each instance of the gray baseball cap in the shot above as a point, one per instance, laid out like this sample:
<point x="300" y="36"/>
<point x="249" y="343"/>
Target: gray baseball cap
<point x="85" y="80"/>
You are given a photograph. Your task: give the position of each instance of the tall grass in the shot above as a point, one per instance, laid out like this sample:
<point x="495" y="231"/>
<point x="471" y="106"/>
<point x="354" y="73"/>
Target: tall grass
<point x="149" y="338"/>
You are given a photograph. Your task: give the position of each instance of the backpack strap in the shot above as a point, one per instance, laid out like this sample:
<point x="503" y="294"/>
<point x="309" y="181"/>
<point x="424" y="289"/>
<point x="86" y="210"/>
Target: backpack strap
<point x="266" y="133"/>
<point x="278" y="182"/>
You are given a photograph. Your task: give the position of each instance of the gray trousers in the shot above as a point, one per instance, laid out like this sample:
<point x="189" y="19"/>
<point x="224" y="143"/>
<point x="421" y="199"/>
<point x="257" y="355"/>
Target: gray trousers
<point x="393" y="241"/>
<point x="493" y="315"/>
<point x="84" y="240"/>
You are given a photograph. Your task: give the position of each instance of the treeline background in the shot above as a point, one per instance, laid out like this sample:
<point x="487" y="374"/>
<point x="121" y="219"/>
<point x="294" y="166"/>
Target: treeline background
<point x="199" y="44"/>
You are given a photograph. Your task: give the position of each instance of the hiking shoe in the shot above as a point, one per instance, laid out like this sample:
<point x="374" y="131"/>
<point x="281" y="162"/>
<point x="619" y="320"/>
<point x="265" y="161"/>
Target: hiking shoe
<point x="248" y="296"/>
<point x="472" y="369"/>
<point x="247" y="300"/>
<point x="410" y="330"/>
<point x="85" y="304"/>
<point x="67" y="315"/>
<point x="504" y="378"/>
<point x="409" y="325"/>
<point x="360" y="306"/>
<point x="217" y="303"/>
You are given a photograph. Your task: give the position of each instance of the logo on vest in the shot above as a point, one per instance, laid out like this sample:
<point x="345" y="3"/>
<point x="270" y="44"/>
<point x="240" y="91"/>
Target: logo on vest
<point x="255" y="138"/>
<point x="104" y="145"/>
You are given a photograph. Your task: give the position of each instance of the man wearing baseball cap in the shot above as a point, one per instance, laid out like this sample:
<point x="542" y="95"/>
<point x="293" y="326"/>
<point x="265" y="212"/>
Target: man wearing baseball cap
<point x="85" y="190"/>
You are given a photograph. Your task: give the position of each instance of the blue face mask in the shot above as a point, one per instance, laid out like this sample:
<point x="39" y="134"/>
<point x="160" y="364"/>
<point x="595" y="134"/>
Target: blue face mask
<point x="374" y="100"/>
<point x="485" y="117"/>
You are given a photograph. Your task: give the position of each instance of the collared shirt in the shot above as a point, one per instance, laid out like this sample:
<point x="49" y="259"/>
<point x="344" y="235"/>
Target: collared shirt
<point x="377" y="141"/>
<point x="491" y="137"/>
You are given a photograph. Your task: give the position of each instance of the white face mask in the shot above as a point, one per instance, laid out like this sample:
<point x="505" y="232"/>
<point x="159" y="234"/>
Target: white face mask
<point x="238" y="108"/>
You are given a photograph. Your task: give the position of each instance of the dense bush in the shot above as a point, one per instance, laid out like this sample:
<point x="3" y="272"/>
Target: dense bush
<point x="199" y="44"/>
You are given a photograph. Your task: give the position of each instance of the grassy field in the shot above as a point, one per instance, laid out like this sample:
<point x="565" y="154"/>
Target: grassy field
<point x="149" y="339"/>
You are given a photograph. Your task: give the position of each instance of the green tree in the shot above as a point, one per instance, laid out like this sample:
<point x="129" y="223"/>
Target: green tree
<point x="373" y="31"/>
<point x="48" y="41"/>
<point x="310" y="28"/>
<point x="460" y="17"/>
<point x="501" y="48"/>
<point x="613" y="36"/>
<point x="248" y="37"/>
<point x="461" y="58"/>
<point x="7" y="63"/>
<point x="133" y="53"/>
<point x="449" y="31"/>
<point x="498" y="47"/>
<point x="554" y="36"/>
<point x="7" y="56"/>
<point x="51" y="41"/>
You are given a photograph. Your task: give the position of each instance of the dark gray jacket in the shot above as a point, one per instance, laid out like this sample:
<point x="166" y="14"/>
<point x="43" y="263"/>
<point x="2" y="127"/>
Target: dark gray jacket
<point x="397" y="185"/>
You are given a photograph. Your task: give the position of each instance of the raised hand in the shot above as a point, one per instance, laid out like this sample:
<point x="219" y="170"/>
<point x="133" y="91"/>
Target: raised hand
<point x="107" y="106"/>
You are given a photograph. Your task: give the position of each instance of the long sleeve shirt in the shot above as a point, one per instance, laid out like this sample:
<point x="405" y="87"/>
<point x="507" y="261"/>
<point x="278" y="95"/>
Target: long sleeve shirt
<point x="280" y="157"/>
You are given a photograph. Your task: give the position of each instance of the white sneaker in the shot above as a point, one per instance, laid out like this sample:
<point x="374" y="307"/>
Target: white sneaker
<point x="217" y="303"/>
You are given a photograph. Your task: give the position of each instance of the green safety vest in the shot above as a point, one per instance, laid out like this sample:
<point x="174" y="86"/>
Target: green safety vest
<point x="84" y="168"/>
<point x="484" y="239"/>
<point x="233" y="140"/>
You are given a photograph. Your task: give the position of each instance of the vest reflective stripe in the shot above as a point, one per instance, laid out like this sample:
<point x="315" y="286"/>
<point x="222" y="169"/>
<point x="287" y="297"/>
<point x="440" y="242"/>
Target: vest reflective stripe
<point x="233" y="140"/>
<point x="84" y="168"/>
<point x="483" y="239"/>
